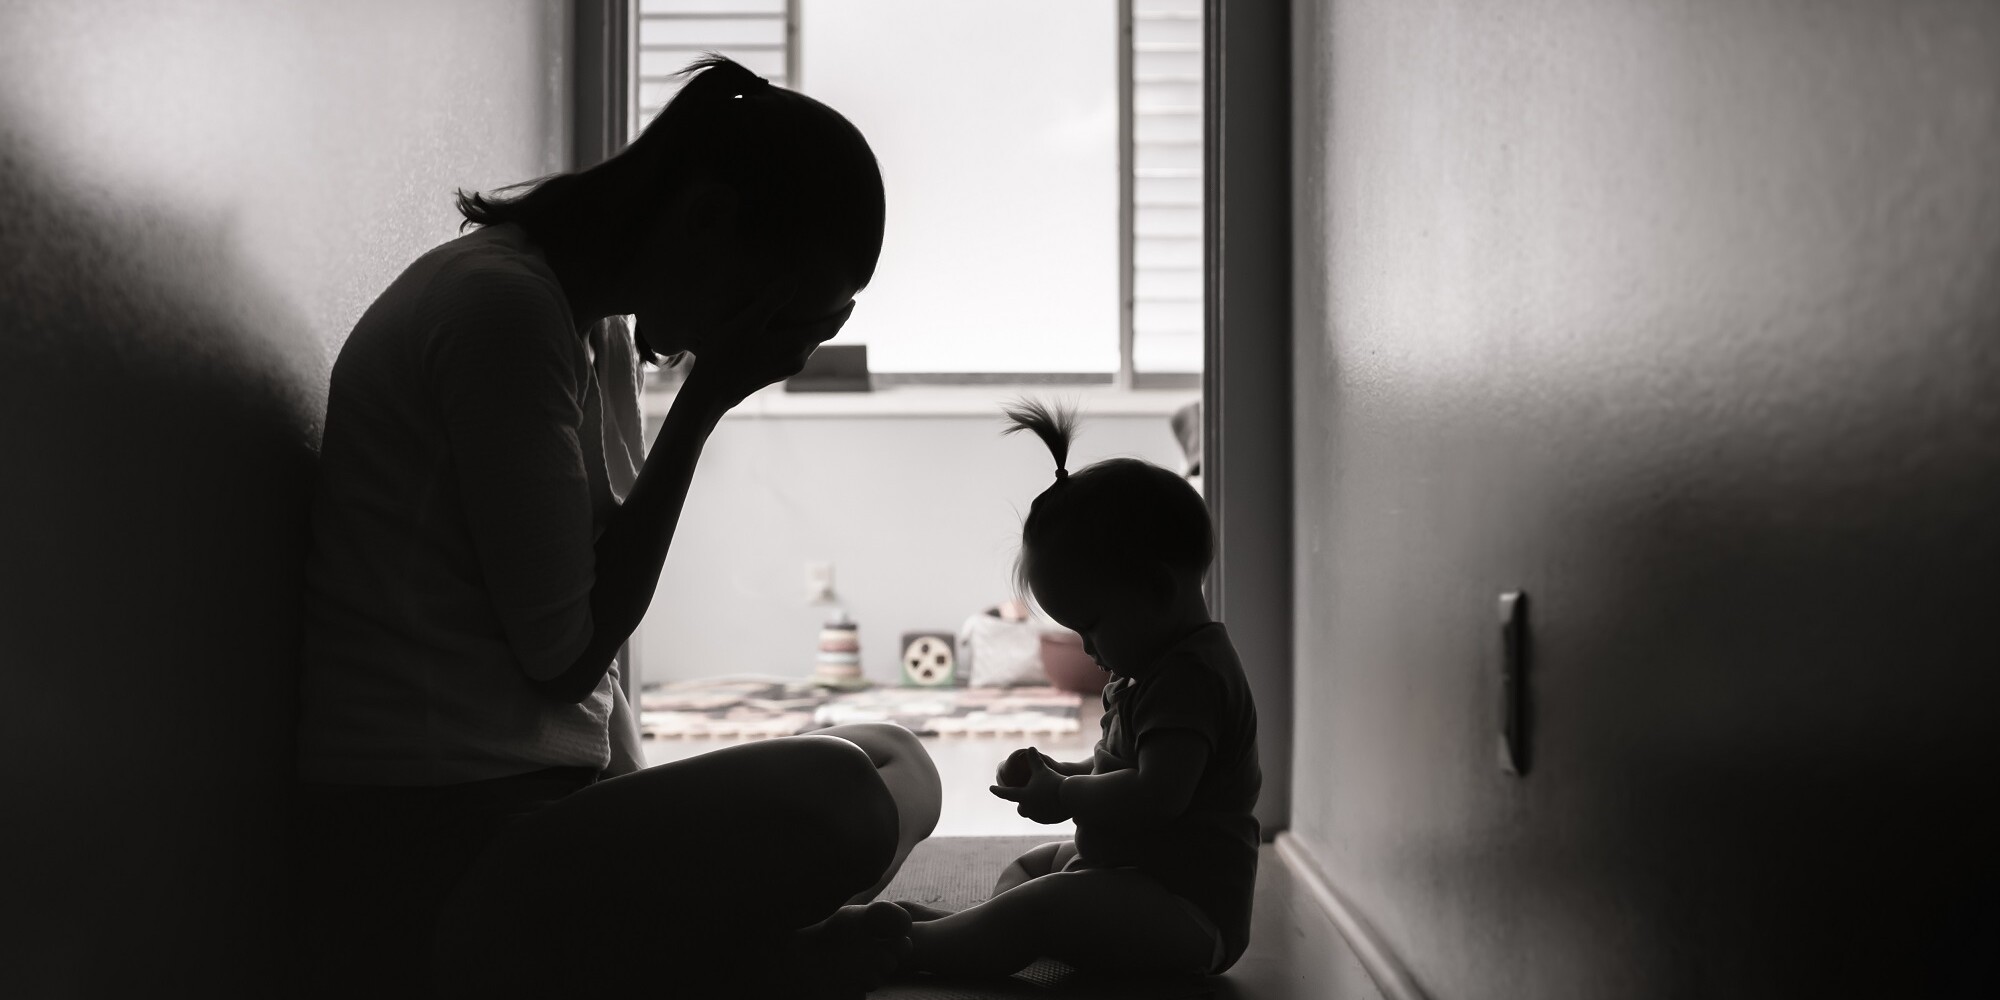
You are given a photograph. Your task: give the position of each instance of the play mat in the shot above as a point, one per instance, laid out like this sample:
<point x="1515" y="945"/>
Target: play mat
<point x="758" y="708"/>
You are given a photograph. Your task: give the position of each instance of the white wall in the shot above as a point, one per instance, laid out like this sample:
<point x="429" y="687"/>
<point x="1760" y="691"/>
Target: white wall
<point x="197" y="199"/>
<point x="919" y="515"/>
<point x="1683" y="318"/>
<point x="996" y="125"/>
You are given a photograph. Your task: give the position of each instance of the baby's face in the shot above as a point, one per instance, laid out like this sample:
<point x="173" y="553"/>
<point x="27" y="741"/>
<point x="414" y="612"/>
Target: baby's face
<point x="1117" y="624"/>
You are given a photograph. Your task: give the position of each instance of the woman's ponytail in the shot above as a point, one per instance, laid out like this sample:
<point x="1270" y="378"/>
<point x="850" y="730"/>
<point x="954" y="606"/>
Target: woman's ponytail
<point x="717" y="77"/>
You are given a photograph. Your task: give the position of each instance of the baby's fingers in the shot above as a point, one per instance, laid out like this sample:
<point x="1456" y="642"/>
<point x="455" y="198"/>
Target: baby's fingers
<point x="1010" y="794"/>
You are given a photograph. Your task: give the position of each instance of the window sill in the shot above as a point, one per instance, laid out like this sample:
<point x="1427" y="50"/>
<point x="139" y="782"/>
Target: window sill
<point x="933" y="401"/>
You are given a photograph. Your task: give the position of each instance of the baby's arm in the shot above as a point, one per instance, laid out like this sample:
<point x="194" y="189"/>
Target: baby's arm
<point x="1067" y="768"/>
<point x="1170" y="763"/>
<point x="1020" y="766"/>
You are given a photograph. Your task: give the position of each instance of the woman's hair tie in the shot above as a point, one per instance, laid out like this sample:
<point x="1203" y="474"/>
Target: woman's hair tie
<point x="1062" y="474"/>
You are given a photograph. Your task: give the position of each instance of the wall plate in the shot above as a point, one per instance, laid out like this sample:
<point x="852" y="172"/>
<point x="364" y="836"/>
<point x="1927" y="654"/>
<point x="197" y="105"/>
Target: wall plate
<point x="1514" y="682"/>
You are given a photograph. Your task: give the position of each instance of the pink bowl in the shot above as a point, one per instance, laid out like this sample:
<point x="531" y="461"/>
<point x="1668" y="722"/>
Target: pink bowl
<point x="1068" y="666"/>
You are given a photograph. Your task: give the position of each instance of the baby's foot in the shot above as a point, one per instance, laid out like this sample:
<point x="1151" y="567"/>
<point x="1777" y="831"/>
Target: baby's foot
<point x="850" y="953"/>
<point x="919" y="912"/>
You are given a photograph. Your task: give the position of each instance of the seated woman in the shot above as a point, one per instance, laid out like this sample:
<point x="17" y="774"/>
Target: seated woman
<point x="475" y="817"/>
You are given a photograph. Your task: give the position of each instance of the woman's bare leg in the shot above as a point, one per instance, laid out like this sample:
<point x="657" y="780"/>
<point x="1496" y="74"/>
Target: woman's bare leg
<point x="710" y="864"/>
<point x="1102" y="919"/>
<point x="912" y="779"/>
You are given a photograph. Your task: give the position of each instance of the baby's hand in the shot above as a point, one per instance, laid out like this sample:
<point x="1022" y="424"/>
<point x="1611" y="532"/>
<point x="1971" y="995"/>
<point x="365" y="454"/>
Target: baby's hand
<point x="1039" y="797"/>
<point x="1018" y="767"/>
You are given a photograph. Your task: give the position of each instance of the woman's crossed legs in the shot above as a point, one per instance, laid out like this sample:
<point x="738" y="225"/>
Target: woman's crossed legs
<point x="724" y="874"/>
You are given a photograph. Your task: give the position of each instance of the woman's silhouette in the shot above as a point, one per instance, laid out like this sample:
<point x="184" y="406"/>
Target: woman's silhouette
<point x="472" y="804"/>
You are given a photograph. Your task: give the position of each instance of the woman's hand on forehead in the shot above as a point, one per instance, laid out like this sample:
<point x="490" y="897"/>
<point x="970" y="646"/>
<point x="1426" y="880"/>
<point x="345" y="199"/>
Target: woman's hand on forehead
<point x="758" y="348"/>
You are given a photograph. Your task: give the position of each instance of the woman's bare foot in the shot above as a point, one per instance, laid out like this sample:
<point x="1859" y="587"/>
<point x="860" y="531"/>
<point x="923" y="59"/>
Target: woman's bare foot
<point x="919" y="912"/>
<point x="851" y="952"/>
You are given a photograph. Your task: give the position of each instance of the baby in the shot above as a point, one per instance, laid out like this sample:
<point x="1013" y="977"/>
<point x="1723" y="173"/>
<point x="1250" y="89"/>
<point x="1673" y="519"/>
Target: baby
<point x="1159" y="877"/>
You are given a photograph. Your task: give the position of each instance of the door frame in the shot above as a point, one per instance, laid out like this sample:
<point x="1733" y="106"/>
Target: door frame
<point x="1247" y="368"/>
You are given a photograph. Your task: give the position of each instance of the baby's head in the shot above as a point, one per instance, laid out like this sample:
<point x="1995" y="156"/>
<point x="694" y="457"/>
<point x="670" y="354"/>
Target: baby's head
<point x="1115" y="551"/>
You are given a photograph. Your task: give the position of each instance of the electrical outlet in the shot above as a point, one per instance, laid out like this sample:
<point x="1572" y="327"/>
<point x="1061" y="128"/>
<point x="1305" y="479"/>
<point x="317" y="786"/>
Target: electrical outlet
<point x="819" y="583"/>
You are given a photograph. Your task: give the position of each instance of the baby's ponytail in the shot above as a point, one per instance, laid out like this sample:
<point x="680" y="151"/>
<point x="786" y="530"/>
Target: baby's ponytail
<point x="1112" y="518"/>
<point x="1055" y="424"/>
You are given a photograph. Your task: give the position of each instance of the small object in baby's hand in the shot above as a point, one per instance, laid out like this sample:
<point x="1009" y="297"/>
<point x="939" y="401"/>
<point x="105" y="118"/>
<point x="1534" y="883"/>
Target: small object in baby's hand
<point x="1019" y="767"/>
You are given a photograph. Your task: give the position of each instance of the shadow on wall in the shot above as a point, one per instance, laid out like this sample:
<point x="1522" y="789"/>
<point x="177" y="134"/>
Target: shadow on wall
<point x="157" y="419"/>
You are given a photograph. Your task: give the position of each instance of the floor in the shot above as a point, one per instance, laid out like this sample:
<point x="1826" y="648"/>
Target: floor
<point x="1295" y="952"/>
<point x="965" y="767"/>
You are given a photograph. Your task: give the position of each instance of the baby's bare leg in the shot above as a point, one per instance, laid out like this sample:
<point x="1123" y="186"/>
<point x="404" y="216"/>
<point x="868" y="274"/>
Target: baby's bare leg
<point x="1041" y="860"/>
<point x="1101" y="919"/>
<point x="1037" y="862"/>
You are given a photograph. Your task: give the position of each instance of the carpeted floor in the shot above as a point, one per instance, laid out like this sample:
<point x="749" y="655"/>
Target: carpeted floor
<point x="955" y="872"/>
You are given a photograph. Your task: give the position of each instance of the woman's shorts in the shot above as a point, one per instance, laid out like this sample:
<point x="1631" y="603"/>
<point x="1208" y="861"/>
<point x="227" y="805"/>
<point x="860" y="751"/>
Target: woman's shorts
<point x="375" y="863"/>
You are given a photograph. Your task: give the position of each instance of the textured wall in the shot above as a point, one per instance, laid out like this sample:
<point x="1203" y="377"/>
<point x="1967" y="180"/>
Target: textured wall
<point x="921" y="517"/>
<point x="1683" y="317"/>
<point x="196" y="202"/>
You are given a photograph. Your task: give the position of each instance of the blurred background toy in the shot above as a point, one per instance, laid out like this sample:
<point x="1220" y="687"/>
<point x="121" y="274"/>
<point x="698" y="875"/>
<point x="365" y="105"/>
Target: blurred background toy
<point x="838" y="664"/>
<point x="1001" y="647"/>
<point x="929" y="660"/>
<point x="1067" y="666"/>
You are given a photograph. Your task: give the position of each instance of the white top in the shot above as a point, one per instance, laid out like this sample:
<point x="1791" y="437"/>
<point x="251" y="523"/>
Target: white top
<point x="461" y="487"/>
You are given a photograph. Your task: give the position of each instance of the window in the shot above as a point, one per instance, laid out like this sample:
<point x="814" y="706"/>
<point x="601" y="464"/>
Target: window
<point x="1164" y="185"/>
<point x="1043" y="166"/>
<point x="760" y="34"/>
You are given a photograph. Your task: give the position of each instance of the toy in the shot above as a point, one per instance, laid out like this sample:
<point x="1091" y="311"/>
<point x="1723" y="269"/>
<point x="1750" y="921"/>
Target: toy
<point x="929" y="659"/>
<point x="838" y="664"/>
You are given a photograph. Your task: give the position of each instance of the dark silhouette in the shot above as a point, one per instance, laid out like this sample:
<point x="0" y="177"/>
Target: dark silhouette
<point x="471" y="777"/>
<point x="1160" y="876"/>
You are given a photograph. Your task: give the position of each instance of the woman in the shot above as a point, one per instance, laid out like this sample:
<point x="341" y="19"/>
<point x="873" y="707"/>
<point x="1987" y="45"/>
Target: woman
<point x="472" y="795"/>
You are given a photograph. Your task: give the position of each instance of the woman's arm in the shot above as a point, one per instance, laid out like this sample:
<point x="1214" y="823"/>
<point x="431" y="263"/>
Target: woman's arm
<point x="633" y="547"/>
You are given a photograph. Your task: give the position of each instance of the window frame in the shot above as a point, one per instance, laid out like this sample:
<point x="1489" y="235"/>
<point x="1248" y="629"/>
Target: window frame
<point x="599" y="77"/>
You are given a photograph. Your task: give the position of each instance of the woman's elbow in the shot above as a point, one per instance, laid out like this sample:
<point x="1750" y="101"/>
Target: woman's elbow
<point x="566" y="671"/>
<point x="575" y="685"/>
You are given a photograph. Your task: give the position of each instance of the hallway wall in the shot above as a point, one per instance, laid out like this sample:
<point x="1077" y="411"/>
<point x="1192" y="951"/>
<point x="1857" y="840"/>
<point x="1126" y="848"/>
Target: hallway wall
<point x="1685" y="319"/>
<point x="197" y="200"/>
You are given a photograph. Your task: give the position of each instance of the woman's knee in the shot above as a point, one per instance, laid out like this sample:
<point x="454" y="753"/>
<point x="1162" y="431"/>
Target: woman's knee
<point x="885" y="743"/>
<point x="905" y="766"/>
<point x="838" y="785"/>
